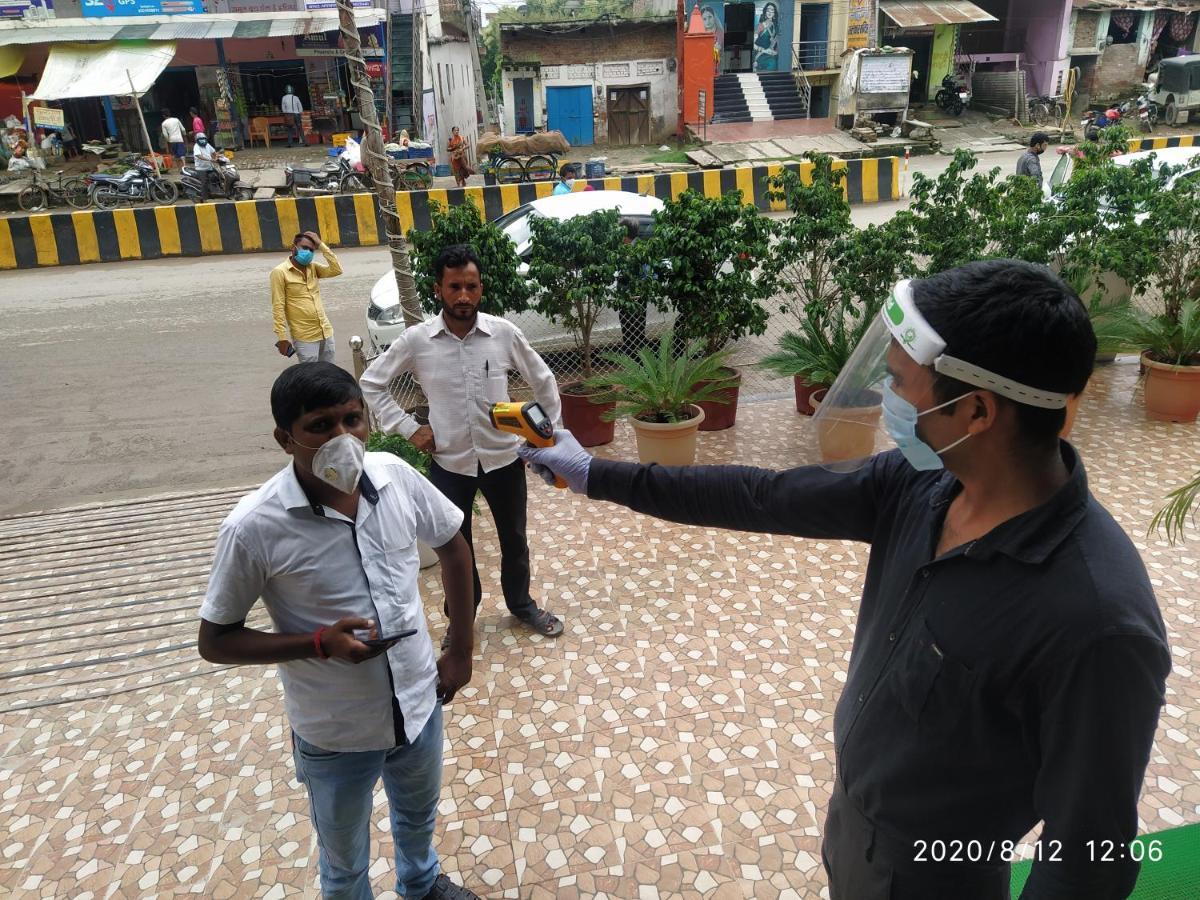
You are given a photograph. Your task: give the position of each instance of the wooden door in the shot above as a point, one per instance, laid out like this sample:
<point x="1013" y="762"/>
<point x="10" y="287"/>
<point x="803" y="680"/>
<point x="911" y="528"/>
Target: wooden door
<point x="629" y="115"/>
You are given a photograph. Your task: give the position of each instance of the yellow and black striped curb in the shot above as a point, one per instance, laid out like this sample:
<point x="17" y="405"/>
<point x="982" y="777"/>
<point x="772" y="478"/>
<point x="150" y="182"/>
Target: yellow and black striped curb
<point x="1162" y="143"/>
<point x="353" y="220"/>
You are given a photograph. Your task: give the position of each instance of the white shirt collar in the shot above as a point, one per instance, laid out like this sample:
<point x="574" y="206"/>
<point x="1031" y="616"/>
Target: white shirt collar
<point x="438" y="325"/>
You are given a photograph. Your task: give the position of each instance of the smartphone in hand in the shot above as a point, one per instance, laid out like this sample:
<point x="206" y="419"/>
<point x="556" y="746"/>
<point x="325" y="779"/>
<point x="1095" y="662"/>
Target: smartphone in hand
<point x="383" y="642"/>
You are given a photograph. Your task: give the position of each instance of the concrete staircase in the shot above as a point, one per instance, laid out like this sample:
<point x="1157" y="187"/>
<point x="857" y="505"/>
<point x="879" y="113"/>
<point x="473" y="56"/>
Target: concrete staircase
<point x="757" y="97"/>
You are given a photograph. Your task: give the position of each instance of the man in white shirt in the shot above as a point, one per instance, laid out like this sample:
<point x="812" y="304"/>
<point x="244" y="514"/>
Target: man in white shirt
<point x="205" y="155"/>
<point x="462" y="359"/>
<point x="293" y="111"/>
<point x="174" y="135"/>
<point x="330" y="544"/>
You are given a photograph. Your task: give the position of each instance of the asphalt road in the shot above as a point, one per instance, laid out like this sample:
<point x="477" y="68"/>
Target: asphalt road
<point x="128" y="379"/>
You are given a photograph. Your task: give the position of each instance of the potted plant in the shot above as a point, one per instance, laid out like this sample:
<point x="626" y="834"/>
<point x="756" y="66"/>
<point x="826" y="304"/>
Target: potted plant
<point x="816" y="354"/>
<point x="661" y="391"/>
<point x="1179" y="510"/>
<point x="710" y="262"/>
<point x="1170" y="339"/>
<point x="419" y="460"/>
<point x="824" y="265"/>
<point x="576" y="264"/>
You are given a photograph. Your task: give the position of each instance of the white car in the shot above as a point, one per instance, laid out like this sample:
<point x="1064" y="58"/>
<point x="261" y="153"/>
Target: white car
<point x="385" y="321"/>
<point x="1175" y="157"/>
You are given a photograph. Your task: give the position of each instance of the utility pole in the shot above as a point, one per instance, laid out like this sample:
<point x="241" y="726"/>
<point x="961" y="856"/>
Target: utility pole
<point x="377" y="162"/>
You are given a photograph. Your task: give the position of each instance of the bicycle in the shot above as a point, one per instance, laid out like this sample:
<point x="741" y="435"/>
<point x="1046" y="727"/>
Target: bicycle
<point x="44" y="193"/>
<point x="1046" y="110"/>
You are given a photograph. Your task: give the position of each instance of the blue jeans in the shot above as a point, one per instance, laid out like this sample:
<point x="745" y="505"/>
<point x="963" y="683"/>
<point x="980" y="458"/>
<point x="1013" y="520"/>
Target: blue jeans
<point x="340" y="787"/>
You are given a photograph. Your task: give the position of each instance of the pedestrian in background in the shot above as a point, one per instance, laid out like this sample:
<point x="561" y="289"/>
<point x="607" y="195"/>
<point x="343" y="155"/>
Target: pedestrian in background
<point x="1029" y="164"/>
<point x="174" y="135"/>
<point x="197" y="122"/>
<point x="566" y="180"/>
<point x="301" y="326"/>
<point x="458" y="157"/>
<point x="293" y="112"/>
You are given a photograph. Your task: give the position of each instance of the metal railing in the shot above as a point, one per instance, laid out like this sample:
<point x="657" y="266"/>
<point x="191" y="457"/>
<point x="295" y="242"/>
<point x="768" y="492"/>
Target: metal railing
<point x="815" y="56"/>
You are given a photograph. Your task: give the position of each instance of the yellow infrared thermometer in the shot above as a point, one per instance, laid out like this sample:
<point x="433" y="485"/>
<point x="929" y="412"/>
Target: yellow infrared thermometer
<point x="527" y="420"/>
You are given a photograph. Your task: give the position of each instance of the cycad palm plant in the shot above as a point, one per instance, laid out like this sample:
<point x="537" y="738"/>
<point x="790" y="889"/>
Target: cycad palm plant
<point x="1179" y="510"/>
<point x="658" y="385"/>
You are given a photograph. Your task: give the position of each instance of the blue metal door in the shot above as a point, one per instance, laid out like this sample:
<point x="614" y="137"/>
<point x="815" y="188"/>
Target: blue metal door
<point x="813" y="52"/>
<point x="569" y="110"/>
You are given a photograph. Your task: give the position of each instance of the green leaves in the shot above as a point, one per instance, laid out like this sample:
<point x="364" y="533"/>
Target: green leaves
<point x="577" y="265"/>
<point x="504" y="289"/>
<point x="1173" y="339"/>
<point x="658" y="385"/>
<point x="402" y="447"/>
<point x="708" y="260"/>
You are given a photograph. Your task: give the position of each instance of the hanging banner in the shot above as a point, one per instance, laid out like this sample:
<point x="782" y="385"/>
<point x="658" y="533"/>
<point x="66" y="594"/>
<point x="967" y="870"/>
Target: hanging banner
<point x="102" y="70"/>
<point x="858" y="29"/>
<point x="26" y="9"/>
<point x="317" y="5"/>
<point x="101" y="9"/>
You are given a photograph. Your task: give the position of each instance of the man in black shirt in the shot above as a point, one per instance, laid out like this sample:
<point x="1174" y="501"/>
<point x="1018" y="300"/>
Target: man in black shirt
<point x="1009" y="660"/>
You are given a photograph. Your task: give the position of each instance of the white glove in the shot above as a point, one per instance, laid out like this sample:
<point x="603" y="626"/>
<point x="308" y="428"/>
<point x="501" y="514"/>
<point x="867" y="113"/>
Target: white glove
<point x="566" y="459"/>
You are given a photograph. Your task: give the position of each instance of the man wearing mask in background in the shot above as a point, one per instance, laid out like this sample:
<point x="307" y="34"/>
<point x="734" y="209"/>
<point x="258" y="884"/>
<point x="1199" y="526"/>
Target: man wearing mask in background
<point x="174" y="135"/>
<point x="293" y="111"/>
<point x="296" y="300"/>
<point x="1009" y="659"/>
<point x="205" y="155"/>
<point x="1029" y="164"/>
<point x="566" y="180"/>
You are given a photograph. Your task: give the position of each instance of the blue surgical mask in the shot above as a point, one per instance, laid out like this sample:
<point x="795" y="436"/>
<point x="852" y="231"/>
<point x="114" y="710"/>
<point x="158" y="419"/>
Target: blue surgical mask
<point x="304" y="256"/>
<point x="900" y="419"/>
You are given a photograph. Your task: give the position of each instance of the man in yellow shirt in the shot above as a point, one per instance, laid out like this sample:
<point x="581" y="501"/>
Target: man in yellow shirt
<point x="296" y="300"/>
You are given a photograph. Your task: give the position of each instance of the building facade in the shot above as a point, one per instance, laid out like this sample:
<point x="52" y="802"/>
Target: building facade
<point x="604" y="81"/>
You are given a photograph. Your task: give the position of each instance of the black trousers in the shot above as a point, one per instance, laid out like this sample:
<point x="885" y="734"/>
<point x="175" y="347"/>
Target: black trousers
<point x="865" y="864"/>
<point x="504" y="490"/>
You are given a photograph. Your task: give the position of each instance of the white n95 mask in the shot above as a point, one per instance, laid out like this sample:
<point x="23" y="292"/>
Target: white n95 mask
<point x="339" y="462"/>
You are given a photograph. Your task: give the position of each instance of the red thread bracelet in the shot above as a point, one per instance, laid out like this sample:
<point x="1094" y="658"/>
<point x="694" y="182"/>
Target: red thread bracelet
<point x="321" y="654"/>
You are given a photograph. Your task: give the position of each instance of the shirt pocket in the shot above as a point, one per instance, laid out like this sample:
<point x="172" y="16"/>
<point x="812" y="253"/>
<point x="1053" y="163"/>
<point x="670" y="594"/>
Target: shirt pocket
<point x="934" y="687"/>
<point x="495" y="388"/>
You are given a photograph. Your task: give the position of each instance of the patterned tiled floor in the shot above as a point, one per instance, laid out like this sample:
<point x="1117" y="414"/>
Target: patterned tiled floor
<point x="675" y="742"/>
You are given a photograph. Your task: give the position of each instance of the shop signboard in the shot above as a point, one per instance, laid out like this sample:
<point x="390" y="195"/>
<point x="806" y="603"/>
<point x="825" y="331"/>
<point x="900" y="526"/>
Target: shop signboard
<point x="858" y="29"/>
<point x="26" y="9"/>
<point x="48" y="117"/>
<point x="319" y="5"/>
<point x="101" y="9"/>
<point x="329" y="43"/>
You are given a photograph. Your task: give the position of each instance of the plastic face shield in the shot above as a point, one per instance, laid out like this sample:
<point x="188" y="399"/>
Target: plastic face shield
<point x="849" y="419"/>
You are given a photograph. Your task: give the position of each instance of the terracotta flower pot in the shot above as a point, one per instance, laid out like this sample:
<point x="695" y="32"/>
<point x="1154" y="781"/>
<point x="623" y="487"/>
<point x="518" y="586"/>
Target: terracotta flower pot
<point x="1172" y="392"/>
<point x="719" y="416"/>
<point x="670" y="443"/>
<point x="846" y="433"/>
<point x="804" y="392"/>
<point x="582" y="417"/>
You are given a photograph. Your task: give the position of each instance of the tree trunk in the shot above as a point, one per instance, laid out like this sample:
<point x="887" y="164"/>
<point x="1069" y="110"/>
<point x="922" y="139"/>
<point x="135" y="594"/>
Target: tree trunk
<point x="377" y="162"/>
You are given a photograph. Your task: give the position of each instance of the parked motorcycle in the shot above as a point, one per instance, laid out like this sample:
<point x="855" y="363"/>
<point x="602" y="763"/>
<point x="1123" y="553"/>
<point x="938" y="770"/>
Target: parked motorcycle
<point x="335" y="177"/>
<point x="224" y="182"/>
<point x="1101" y="118"/>
<point x="137" y="185"/>
<point x="1147" y="113"/>
<point x="952" y="96"/>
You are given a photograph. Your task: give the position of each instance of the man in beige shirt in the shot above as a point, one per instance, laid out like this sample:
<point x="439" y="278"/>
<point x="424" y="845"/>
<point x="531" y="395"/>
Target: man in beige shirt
<point x="296" y="300"/>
